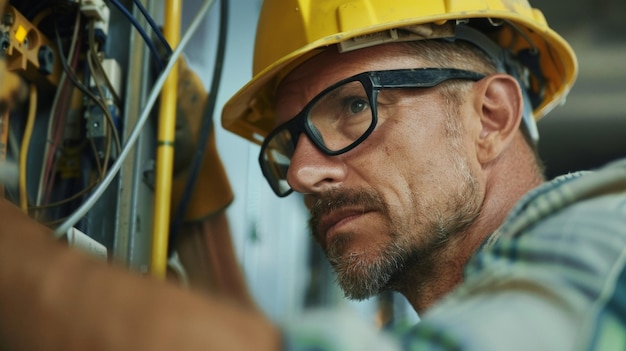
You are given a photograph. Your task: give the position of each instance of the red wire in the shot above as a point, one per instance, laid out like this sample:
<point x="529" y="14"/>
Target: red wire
<point x="57" y="127"/>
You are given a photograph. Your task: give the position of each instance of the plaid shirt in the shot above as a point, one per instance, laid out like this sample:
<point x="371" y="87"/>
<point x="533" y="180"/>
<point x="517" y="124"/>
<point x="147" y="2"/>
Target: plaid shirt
<point x="552" y="277"/>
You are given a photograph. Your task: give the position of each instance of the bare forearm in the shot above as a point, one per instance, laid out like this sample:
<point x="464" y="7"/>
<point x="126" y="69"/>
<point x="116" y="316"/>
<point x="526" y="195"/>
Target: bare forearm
<point x="54" y="298"/>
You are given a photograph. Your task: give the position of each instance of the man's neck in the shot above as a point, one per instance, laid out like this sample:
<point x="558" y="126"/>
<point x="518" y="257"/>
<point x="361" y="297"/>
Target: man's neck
<point x="439" y="273"/>
<point x="426" y="282"/>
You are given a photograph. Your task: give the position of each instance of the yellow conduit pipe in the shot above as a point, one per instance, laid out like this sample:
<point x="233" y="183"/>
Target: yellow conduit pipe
<point x="4" y="141"/>
<point x="165" y="146"/>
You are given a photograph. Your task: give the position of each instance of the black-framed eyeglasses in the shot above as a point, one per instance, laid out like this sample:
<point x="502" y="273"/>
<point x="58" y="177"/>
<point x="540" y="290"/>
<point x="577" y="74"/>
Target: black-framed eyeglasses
<point x="342" y="116"/>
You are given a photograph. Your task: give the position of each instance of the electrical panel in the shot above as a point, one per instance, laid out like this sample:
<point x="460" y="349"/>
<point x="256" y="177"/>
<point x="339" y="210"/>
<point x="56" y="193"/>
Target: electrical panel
<point x="73" y="82"/>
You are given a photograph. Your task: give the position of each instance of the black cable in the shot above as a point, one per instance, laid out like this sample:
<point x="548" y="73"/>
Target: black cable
<point x="154" y="26"/>
<point x="206" y="126"/>
<point x="142" y="32"/>
<point x="30" y="8"/>
<point x="78" y="84"/>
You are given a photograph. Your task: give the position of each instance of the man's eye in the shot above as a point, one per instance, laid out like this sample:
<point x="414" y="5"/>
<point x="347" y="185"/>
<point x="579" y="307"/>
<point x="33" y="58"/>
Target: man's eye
<point x="357" y="106"/>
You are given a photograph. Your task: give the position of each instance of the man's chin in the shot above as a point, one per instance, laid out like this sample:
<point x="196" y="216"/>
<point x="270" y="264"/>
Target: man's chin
<point x="360" y="279"/>
<point x="359" y="292"/>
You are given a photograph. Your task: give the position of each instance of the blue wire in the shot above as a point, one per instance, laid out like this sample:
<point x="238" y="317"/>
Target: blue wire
<point x="154" y="26"/>
<point x="142" y="32"/>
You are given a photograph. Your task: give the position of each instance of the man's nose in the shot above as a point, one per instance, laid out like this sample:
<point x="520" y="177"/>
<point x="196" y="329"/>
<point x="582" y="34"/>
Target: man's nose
<point x="311" y="171"/>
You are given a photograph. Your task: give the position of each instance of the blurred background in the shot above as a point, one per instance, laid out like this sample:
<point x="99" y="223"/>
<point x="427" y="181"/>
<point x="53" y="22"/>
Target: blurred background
<point x="589" y="130"/>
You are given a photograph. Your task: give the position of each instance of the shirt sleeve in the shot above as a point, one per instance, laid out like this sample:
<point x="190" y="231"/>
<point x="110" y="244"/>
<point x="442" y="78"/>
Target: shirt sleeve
<point x="339" y="329"/>
<point x="559" y="284"/>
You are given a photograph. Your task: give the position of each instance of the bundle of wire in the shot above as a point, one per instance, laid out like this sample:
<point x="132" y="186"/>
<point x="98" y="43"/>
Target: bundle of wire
<point x="104" y="171"/>
<point x="47" y="207"/>
<point x="101" y="186"/>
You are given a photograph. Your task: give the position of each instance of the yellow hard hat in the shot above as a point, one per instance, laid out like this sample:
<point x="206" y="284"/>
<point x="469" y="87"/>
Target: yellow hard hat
<point x="291" y="31"/>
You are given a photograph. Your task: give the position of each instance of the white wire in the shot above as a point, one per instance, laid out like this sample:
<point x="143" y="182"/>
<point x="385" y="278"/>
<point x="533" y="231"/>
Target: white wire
<point x="154" y="93"/>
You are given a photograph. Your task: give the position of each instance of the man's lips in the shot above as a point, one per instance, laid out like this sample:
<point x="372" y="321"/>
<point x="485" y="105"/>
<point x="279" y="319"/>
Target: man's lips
<point x="332" y="221"/>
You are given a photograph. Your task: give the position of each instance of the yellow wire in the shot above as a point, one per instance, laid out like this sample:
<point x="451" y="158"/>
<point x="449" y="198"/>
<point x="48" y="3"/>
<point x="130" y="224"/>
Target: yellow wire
<point x="30" y="123"/>
<point x="165" y="147"/>
<point x="40" y="16"/>
<point x="4" y="137"/>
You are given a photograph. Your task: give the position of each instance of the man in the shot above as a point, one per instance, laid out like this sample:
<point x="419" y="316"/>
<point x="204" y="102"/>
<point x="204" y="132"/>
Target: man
<point x="410" y="154"/>
<point x="409" y="128"/>
<point x="410" y="138"/>
<point x="408" y="215"/>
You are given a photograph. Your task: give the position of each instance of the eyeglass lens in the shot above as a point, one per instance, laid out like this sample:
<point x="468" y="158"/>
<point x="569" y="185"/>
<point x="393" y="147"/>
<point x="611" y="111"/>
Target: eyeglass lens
<point x="333" y="121"/>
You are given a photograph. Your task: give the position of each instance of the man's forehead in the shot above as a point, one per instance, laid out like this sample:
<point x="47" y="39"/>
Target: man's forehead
<point x="331" y="62"/>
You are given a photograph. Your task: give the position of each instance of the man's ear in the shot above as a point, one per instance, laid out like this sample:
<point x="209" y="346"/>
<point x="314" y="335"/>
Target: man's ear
<point x="500" y="104"/>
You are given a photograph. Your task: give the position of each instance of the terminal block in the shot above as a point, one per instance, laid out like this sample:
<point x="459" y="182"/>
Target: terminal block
<point x="28" y="52"/>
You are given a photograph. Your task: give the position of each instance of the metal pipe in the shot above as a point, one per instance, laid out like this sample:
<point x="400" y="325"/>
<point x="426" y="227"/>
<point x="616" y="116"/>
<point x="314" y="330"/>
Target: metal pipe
<point x="165" y="147"/>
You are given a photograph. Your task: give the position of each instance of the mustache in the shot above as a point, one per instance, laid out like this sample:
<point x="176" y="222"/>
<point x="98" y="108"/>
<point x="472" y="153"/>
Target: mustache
<point x="335" y="200"/>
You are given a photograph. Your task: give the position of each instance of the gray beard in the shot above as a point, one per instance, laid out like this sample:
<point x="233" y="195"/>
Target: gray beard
<point x="363" y="275"/>
<point x="360" y="278"/>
